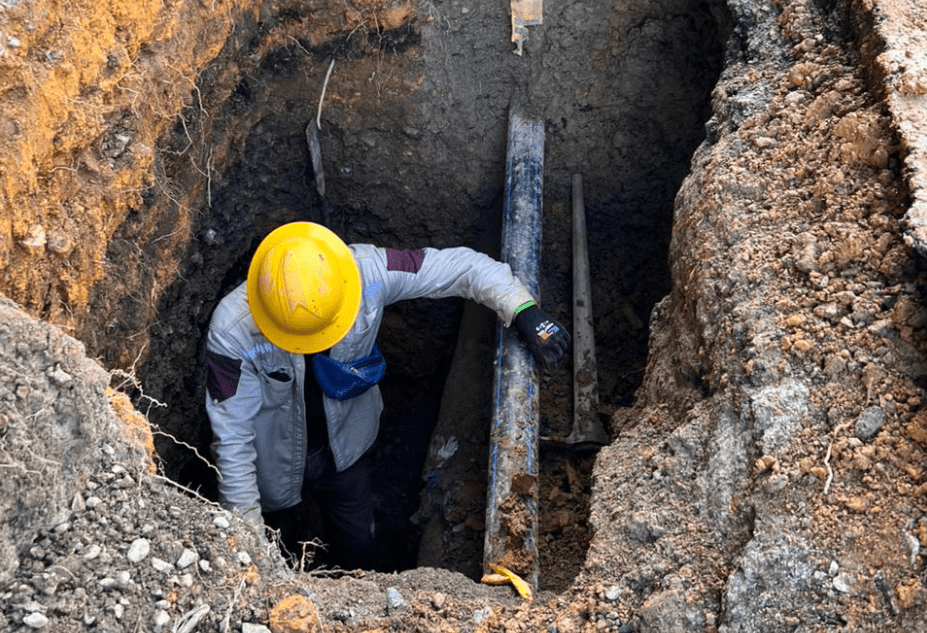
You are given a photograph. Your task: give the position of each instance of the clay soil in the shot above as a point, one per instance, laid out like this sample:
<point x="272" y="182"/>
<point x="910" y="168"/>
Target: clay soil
<point x="752" y="177"/>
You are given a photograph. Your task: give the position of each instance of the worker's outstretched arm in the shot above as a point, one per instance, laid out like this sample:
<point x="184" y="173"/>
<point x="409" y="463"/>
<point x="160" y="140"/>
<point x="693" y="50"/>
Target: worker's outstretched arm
<point x="463" y="272"/>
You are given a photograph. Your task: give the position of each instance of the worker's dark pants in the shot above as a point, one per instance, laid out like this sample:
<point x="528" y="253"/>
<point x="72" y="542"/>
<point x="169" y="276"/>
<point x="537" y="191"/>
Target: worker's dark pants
<point x="345" y="503"/>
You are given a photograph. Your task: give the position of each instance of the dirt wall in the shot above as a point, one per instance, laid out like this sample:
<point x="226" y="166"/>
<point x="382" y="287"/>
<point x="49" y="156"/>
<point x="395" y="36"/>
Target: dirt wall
<point x="88" y="90"/>
<point x="768" y="476"/>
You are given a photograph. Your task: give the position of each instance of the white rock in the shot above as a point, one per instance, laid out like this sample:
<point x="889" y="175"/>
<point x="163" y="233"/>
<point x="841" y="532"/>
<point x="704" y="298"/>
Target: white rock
<point x="914" y="548"/>
<point x="247" y="627"/>
<point x="138" y="550"/>
<point x="843" y="583"/>
<point x="187" y="558"/>
<point x="394" y="599"/>
<point x="161" y="565"/>
<point x="481" y="615"/>
<point x="244" y="558"/>
<point x="58" y="375"/>
<point x="108" y="584"/>
<point x="221" y="522"/>
<point x="35" y="621"/>
<point x="35" y="240"/>
<point x="78" y="503"/>
<point x="161" y="619"/>
<point x="123" y="578"/>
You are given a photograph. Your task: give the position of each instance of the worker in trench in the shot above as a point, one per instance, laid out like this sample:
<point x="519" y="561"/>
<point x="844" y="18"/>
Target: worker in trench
<point x="292" y="370"/>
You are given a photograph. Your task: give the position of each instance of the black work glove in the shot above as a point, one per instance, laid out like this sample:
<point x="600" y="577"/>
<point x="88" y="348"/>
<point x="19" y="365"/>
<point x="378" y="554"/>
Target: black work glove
<point x="546" y="339"/>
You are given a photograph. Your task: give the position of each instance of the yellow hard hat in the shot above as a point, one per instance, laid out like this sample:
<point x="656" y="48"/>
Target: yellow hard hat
<point x="304" y="288"/>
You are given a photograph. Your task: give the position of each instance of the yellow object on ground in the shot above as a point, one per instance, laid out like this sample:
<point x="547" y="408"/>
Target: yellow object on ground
<point x="502" y="576"/>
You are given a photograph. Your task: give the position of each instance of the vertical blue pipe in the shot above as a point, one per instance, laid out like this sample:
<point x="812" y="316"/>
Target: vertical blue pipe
<point x="511" y="502"/>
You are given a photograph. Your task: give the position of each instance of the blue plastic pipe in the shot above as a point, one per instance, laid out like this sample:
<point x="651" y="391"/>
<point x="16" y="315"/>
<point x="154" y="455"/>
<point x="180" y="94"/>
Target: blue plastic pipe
<point x="512" y="495"/>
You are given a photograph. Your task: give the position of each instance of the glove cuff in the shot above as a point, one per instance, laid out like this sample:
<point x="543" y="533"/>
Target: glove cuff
<point x="522" y="307"/>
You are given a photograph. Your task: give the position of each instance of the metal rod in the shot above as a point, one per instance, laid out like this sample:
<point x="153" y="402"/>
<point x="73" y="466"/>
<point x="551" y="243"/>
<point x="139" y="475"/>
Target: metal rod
<point x="512" y="496"/>
<point x="588" y="429"/>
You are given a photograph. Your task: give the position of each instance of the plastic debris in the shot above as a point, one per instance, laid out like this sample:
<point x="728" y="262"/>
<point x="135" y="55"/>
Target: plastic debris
<point x="450" y="447"/>
<point x="525" y="13"/>
<point x="501" y="576"/>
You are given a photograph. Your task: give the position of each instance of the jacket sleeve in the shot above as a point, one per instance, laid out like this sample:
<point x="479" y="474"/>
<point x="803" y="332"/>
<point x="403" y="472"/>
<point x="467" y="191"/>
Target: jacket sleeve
<point x="449" y="272"/>
<point x="233" y="399"/>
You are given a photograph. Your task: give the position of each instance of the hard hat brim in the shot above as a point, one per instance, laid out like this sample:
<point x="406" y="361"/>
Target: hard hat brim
<point x="347" y="313"/>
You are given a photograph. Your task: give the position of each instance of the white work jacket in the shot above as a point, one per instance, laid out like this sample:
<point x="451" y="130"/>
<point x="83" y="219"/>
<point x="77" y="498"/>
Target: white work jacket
<point x="259" y="421"/>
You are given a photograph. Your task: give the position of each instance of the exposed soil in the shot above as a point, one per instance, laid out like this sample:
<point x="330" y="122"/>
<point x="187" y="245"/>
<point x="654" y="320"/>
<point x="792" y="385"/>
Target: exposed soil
<point x="752" y="176"/>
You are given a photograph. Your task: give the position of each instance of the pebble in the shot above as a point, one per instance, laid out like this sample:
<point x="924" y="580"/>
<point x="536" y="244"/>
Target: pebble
<point x="35" y="621"/>
<point x="121" y="581"/>
<point x="776" y="483"/>
<point x="125" y="481"/>
<point x="92" y="552"/>
<point x="613" y="593"/>
<point x="77" y="503"/>
<point x="842" y="583"/>
<point x="394" y="599"/>
<point x="57" y="375"/>
<point x="869" y="423"/>
<point x="109" y="584"/>
<point x="481" y="615"/>
<point x="187" y="558"/>
<point x="162" y="619"/>
<point x="35" y="242"/>
<point x="247" y="627"/>
<point x="161" y="565"/>
<point x="138" y="550"/>
<point x="914" y="548"/>
<point x="221" y="522"/>
<point x="244" y="558"/>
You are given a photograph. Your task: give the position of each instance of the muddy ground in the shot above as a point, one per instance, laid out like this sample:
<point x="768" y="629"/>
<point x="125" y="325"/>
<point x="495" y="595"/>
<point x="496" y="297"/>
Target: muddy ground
<point x="752" y="183"/>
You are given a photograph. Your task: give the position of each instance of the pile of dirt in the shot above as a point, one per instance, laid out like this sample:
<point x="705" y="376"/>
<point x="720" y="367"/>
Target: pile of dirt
<point x="93" y="539"/>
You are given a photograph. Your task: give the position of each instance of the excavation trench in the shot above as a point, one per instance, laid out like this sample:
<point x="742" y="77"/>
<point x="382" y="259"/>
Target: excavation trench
<point x="413" y="134"/>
